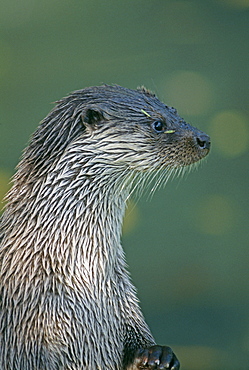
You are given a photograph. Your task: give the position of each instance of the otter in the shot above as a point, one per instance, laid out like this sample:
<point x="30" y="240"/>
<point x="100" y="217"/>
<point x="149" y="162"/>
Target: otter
<point x="67" y="301"/>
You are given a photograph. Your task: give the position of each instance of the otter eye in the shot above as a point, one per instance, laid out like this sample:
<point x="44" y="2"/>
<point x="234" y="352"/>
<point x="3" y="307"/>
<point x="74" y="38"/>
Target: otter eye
<point x="158" y="126"/>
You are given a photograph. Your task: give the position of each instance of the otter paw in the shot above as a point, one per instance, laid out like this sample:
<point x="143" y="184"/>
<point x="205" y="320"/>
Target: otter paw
<point x="156" y="357"/>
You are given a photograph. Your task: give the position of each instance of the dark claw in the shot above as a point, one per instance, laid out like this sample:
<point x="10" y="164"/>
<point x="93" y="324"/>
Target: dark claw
<point x="156" y="357"/>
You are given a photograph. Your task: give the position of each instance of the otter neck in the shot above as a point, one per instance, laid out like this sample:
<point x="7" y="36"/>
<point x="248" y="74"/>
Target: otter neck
<point x="72" y="221"/>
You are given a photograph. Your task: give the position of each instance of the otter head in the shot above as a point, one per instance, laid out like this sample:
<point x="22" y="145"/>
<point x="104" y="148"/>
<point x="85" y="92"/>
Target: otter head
<point x="133" y="127"/>
<point x="116" y="128"/>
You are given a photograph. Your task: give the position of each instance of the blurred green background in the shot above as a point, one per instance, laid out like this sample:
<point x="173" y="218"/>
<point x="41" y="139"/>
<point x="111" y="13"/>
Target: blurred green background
<point x="187" y="248"/>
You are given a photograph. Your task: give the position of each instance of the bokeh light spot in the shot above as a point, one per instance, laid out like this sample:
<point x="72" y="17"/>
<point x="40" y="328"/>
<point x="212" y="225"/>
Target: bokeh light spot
<point x="195" y="357"/>
<point x="230" y="132"/>
<point x="131" y="217"/>
<point x="215" y="215"/>
<point x="190" y="91"/>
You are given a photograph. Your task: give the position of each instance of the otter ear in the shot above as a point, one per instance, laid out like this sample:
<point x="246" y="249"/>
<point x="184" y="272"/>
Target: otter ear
<point x="91" y="117"/>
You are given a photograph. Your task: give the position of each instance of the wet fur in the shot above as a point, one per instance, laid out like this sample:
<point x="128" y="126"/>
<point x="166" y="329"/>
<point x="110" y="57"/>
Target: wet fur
<point x="67" y="301"/>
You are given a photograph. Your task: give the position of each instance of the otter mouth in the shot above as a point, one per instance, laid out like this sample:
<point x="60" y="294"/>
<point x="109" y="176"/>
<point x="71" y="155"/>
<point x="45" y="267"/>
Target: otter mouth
<point x="192" y="157"/>
<point x="189" y="150"/>
<point x="194" y="148"/>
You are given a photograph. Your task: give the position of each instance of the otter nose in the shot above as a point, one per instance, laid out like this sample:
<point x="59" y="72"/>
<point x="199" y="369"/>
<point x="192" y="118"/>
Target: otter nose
<point x="203" y="141"/>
